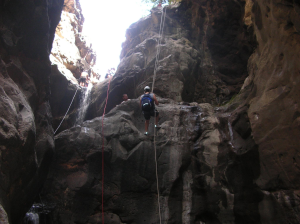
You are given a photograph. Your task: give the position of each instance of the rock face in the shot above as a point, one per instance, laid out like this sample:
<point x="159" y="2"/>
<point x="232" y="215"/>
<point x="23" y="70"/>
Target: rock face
<point x="237" y="163"/>
<point x="199" y="168"/>
<point x="274" y="108"/>
<point x="26" y="134"/>
<point x="203" y="55"/>
<point x="70" y="55"/>
<point x="232" y="164"/>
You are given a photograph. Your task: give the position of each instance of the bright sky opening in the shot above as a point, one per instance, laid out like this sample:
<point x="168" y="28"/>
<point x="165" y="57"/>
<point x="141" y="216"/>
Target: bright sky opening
<point x="105" y="27"/>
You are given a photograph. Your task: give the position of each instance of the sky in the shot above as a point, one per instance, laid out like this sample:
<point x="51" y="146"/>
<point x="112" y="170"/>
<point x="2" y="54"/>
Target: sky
<point x="105" y="27"/>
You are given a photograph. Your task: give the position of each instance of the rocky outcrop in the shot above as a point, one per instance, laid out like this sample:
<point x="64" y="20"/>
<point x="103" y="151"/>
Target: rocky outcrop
<point x="71" y="54"/>
<point x="203" y="56"/>
<point x="189" y="143"/>
<point x="274" y="109"/>
<point x="26" y="135"/>
<point x="237" y="163"/>
<point x="208" y="163"/>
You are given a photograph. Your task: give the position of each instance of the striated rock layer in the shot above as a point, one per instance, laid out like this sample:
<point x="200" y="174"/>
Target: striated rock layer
<point x="237" y="163"/>
<point x="26" y="135"/>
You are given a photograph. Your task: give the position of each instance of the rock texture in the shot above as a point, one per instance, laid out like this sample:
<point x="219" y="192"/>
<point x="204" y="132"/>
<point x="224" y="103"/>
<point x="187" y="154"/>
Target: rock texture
<point x="203" y="55"/>
<point x="274" y="108"/>
<point x="26" y="134"/>
<point x="71" y="54"/>
<point x="237" y="163"/>
<point x="207" y="166"/>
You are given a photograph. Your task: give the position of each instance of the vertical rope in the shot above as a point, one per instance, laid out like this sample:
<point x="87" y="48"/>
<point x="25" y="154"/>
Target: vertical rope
<point x="161" y="29"/>
<point x="103" y="152"/>
<point x="156" y="173"/>
<point x="162" y="23"/>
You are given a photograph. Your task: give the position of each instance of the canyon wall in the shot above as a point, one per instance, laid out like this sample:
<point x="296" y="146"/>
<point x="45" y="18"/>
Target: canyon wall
<point x="71" y="54"/>
<point x="228" y="86"/>
<point x="30" y="83"/>
<point x="26" y="135"/>
<point x="203" y="55"/>
<point x="227" y="149"/>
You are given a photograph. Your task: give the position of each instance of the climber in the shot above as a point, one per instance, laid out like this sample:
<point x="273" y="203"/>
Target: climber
<point x="108" y="75"/>
<point x="94" y="79"/>
<point x="147" y="101"/>
<point x="83" y="79"/>
<point x="159" y="5"/>
<point x="112" y="71"/>
<point x="125" y="98"/>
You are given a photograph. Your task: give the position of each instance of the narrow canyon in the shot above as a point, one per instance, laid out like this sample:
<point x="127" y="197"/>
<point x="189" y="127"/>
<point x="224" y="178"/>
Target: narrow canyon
<point x="227" y="151"/>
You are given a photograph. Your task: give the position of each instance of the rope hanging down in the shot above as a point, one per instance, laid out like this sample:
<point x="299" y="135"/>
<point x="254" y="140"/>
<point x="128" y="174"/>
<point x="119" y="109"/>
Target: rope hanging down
<point x="155" y="68"/>
<point x="66" y="112"/>
<point x="103" y="152"/>
<point x="161" y="29"/>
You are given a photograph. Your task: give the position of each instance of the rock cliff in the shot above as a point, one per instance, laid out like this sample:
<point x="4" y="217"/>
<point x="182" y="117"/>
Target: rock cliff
<point x="235" y="163"/>
<point x="71" y="54"/>
<point x="228" y="86"/>
<point x="26" y="134"/>
<point x="203" y="55"/>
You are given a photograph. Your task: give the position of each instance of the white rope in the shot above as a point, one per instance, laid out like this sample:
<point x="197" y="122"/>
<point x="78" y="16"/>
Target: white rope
<point x="66" y="112"/>
<point x="161" y="29"/>
<point x="156" y="172"/>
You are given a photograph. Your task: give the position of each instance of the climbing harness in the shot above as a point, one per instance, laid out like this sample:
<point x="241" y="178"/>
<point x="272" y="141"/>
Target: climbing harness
<point x="161" y="28"/>
<point x="103" y="152"/>
<point x="66" y="112"/>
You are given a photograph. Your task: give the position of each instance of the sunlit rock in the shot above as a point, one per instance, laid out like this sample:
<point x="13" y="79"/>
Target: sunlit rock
<point x="71" y="55"/>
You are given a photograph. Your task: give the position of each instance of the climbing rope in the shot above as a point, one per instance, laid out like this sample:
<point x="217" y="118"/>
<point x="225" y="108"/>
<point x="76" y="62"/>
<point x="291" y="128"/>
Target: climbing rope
<point x="66" y="112"/>
<point x="103" y="152"/>
<point x="156" y="167"/>
<point x="161" y="28"/>
<point x="156" y="173"/>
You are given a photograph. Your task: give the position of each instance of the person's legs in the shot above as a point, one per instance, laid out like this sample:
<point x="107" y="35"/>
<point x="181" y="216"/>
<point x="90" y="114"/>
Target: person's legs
<point x="146" y="125"/>
<point x="147" y="120"/>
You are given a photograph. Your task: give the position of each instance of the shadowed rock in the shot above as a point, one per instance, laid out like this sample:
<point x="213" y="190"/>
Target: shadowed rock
<point x="26" y="134"/>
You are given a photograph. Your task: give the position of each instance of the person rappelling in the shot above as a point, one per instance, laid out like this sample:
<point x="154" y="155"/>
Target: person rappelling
<point x="147" y="104"/>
